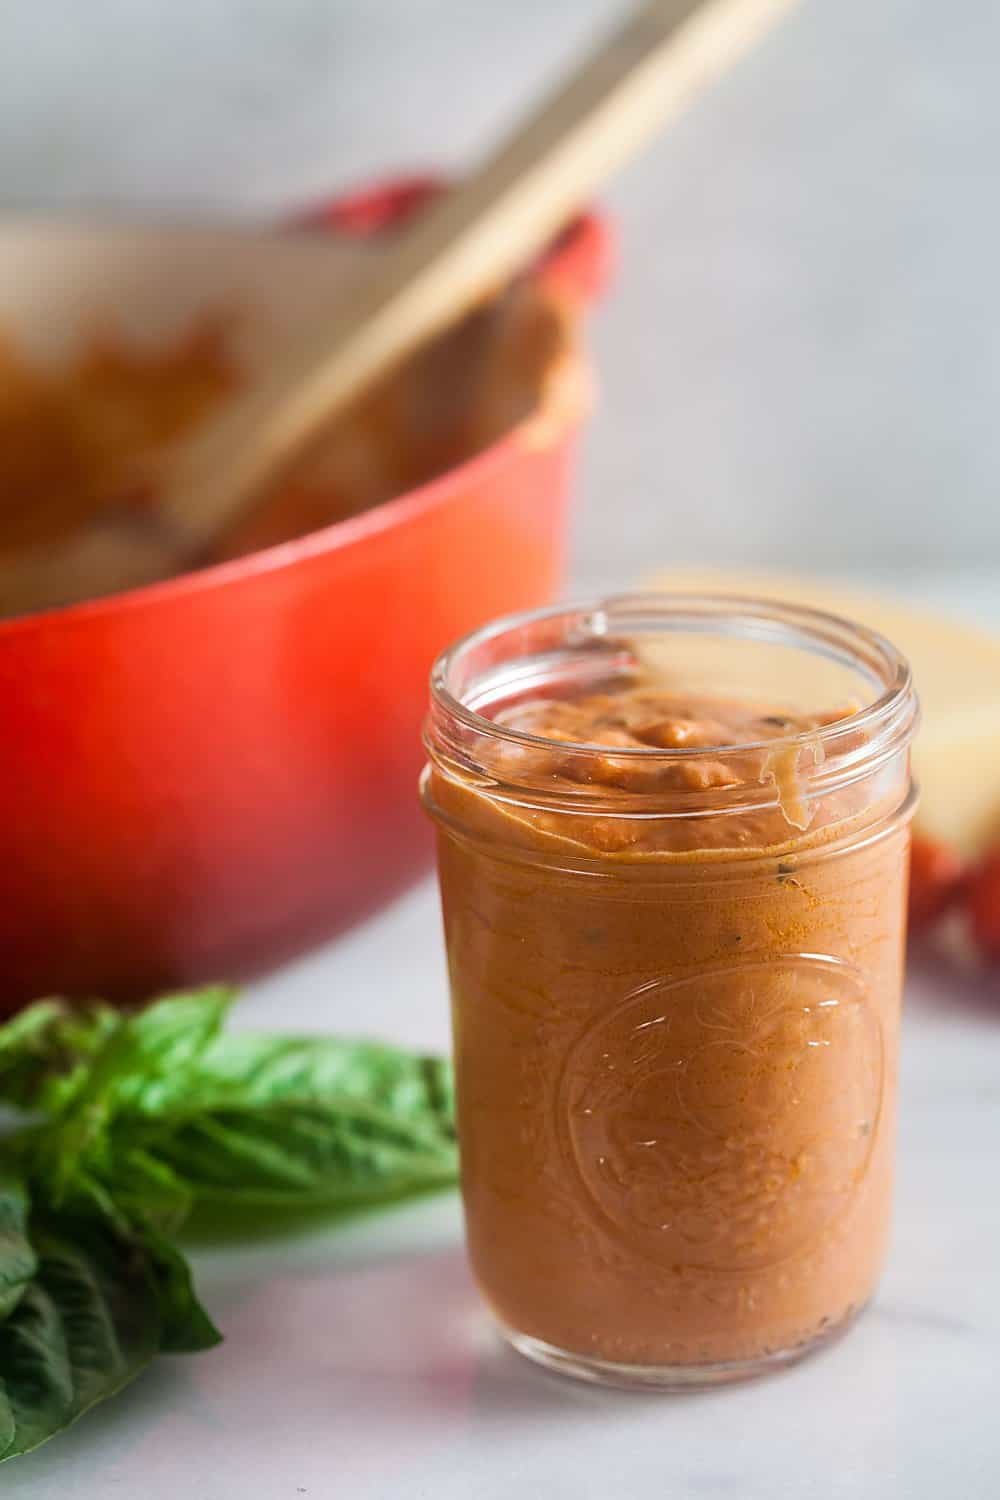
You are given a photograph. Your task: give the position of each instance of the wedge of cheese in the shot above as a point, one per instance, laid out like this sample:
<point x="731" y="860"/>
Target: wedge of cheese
<point x="957" y="672"/>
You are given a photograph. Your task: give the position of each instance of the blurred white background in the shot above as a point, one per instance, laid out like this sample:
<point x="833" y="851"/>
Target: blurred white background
<point x="800" y="360"/>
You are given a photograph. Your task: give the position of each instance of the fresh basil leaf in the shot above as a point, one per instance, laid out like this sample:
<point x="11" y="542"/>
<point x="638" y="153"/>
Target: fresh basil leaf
<point x="45" y="1052"/>
<point x="298" y="1121"/>
<point x="167" y="1111"/>
<point x="160" y="1045"/>
<point x="17" y="1259"/>
<point x="134" y="1051"/>
<point x="54" y="1055"/>
<point x="100" y="1306"/>
<point x="146" y="1191"/>
<point x="185" y="1327"/>
<point x="245" y="1070"/>
<point x="87" y="1324"/>
<point x="339" y="1154"/>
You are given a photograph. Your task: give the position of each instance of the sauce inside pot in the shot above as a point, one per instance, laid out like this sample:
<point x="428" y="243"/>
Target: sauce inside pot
<point x="91" y="440"/>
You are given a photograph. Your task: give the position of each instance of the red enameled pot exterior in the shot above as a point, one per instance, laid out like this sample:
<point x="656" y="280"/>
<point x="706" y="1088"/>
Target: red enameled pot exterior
<point x="199" y="779"/>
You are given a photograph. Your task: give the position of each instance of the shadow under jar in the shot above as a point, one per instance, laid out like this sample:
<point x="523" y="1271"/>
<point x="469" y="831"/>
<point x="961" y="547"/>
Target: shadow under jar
<point x="673" y="837"/>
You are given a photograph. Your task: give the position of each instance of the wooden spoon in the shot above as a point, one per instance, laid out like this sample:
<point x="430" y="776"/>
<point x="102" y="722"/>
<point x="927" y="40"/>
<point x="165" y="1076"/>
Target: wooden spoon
<point x="467" y="243"/>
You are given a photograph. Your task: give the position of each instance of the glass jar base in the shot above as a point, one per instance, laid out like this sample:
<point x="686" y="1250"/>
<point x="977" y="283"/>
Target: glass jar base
<point x="691" y="1377"/>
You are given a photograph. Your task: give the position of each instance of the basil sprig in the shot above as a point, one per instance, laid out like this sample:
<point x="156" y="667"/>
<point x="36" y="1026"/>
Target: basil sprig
<point x="123" y="1124"/>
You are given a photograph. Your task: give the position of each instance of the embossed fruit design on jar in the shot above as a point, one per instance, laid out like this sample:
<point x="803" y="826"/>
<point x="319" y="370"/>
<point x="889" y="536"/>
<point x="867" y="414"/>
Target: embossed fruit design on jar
<point x="672" y="837"/>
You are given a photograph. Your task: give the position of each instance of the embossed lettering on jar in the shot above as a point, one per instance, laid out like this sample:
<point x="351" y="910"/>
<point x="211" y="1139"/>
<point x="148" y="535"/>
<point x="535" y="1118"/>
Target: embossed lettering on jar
<point x="673" y="839"/>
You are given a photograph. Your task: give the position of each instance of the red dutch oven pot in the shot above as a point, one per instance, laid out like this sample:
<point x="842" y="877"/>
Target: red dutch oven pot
<point x="201" y="778"/>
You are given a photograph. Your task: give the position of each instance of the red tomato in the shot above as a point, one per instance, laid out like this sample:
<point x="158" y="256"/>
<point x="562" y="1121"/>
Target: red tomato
<point x="983" y="902"/>
<point x="935" y="873"/>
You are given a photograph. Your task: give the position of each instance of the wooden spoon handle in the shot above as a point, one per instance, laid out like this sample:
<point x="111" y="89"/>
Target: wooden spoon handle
<point x="465" y="244"/>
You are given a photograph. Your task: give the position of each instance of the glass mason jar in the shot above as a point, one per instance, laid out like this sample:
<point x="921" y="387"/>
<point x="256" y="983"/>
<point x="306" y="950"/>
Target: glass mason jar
<point x="676" y="969"/>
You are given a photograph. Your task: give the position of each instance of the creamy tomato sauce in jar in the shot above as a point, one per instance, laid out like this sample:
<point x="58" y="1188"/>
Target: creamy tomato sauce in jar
<point x="673" y="836"/>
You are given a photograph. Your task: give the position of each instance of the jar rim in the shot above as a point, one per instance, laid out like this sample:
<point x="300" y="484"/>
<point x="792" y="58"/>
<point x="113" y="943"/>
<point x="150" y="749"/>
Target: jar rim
<point x="844" y="750"/>
<point x="714" y="609"/>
